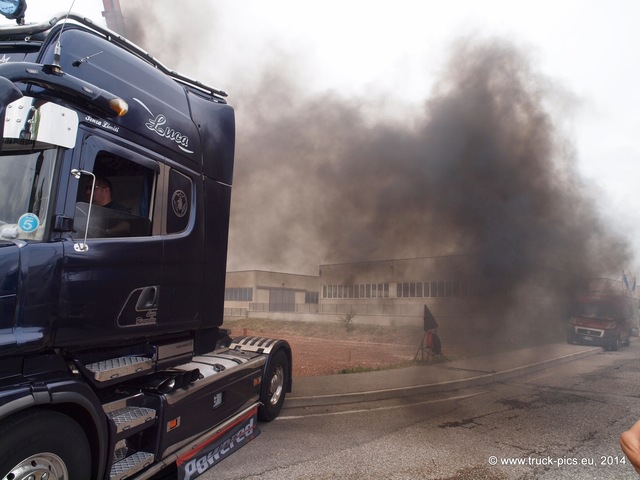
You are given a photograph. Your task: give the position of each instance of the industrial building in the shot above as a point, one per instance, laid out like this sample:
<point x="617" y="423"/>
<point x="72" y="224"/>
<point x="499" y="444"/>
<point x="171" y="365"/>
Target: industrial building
<point x="387" y="291"/>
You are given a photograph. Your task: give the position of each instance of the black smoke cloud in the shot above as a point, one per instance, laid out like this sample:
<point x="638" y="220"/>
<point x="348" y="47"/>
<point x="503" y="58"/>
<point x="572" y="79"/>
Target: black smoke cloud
<point x="484" y="170"/>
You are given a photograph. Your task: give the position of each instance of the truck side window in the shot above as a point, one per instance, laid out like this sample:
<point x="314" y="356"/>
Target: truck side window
<point x="180" y="197"/>
<point x="122" y="198"/>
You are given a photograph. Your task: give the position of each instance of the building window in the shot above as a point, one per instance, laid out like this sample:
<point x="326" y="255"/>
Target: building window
<point x="311" y="297"/>
<point x="238" y="294"/>
<point x="364" y="290"/>
<point x="448" y="288"/>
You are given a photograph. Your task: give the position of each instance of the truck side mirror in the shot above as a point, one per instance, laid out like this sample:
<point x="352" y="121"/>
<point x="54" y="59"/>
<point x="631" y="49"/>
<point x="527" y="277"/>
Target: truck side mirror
<point x="28" y="119"/>
<point x="8" y="93"/>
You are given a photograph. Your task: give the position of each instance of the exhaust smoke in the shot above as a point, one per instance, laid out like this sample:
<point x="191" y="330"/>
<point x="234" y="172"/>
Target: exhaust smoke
<point x="484" y="170"/>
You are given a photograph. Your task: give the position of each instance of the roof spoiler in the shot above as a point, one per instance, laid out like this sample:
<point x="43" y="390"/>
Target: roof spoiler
<point x="32" y="29"/>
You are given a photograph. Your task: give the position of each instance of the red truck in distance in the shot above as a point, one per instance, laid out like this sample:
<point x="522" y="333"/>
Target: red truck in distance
<point x="605" y="320"/>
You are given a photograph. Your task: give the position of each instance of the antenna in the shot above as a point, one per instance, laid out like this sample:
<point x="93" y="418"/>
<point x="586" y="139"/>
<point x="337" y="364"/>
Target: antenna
<point x="79" y="62"/>
<point x="58" y="49"/>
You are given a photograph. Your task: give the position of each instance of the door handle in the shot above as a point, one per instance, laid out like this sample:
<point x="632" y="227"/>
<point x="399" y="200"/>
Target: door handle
<point x="148" y="299"/>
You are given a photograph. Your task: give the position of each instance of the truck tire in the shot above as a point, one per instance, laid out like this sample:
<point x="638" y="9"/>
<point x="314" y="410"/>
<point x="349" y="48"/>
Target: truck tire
<point x="274" y="387"/>
<point x="615" y="346"/>
<point x="43" y="444"/>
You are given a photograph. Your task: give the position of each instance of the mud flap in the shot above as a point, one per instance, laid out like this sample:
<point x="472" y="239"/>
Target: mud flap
<point x="219" y="446"/>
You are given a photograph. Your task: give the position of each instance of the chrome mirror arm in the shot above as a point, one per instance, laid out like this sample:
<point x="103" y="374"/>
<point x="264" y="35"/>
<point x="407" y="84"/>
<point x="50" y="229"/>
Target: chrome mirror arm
<point x="84" y="247"/>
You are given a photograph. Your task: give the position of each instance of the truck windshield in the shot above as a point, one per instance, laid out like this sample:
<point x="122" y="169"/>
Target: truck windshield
<point x="25" y="191"/>
<point x="599" y="310"/>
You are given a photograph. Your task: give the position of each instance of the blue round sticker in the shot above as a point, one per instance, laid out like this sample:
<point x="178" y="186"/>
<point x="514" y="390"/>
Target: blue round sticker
<point x="28" y="222"/>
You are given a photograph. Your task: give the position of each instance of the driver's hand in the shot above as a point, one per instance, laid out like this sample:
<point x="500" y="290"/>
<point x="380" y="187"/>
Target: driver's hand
<point x="630" y="443"/>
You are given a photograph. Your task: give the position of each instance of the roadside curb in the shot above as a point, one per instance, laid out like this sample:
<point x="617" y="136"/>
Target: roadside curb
<point x="431" y="387"/>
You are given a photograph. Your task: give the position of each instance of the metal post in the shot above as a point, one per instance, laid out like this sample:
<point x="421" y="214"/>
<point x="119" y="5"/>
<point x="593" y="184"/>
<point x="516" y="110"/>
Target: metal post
<point x="113" y="14"/>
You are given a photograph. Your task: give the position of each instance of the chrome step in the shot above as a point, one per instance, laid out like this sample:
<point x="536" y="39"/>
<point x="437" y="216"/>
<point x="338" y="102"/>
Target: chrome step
<point x="130" y="465"/>
<point x="130" y="417"/>
<point x="128" y="401"/>
<point x="119" y="367"/>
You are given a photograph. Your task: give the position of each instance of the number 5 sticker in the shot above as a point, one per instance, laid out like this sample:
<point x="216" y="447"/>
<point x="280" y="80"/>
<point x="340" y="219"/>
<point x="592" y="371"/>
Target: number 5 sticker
<point x="28" y="222"/>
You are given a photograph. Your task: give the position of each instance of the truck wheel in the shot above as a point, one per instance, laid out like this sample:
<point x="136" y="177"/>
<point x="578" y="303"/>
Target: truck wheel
<point x="43" y="444"/>
<point x="274" y="387"/>
<point x="613" y="346"/>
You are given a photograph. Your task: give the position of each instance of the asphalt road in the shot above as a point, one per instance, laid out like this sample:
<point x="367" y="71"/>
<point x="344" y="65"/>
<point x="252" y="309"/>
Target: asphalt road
<point x="559" y="423"/>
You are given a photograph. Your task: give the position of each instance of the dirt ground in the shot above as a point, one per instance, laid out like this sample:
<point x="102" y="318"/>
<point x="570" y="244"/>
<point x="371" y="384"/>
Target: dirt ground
<point x="317" y="356"/>
<point x="329" y="349"/>
<point x="326" y="349"/>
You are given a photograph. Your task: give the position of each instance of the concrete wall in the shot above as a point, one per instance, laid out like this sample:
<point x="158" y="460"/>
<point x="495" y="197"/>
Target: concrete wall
<point x="394" y="321"/>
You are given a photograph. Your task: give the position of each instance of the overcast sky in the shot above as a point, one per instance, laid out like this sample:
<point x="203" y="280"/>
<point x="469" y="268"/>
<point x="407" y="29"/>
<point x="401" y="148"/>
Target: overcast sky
<point x="360" y="47"/>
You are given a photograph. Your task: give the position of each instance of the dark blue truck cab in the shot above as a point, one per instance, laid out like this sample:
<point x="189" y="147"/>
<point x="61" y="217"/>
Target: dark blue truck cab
<point x="113" y="360"/>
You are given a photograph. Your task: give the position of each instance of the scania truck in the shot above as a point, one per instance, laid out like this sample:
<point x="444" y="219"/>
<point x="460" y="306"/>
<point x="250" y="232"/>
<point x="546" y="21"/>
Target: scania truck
<point x="115" y="190"/>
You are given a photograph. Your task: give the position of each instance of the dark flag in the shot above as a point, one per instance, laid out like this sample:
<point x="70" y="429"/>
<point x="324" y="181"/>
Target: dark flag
<point x="429" y="320"/>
